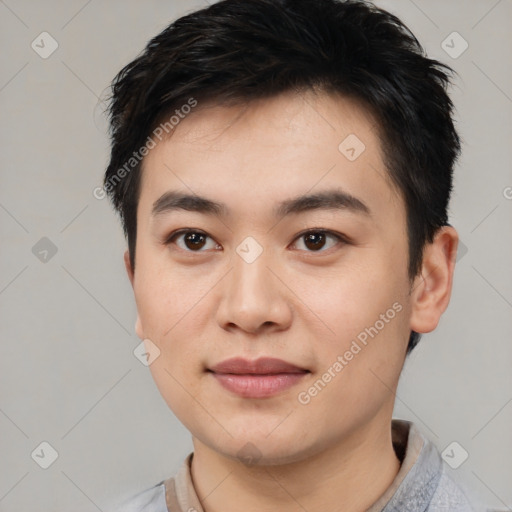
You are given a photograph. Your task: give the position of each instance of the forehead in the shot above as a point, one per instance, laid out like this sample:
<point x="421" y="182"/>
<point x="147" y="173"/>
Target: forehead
<point x="254" y="156"/>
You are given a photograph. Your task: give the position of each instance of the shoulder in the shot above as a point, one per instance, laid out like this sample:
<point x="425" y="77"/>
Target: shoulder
<point x="453" y="497"/>
<point x="147" y="500"/>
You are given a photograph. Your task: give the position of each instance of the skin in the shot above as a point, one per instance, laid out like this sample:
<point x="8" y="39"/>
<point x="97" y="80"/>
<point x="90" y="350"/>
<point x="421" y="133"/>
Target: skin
<point x="295" y="303"/>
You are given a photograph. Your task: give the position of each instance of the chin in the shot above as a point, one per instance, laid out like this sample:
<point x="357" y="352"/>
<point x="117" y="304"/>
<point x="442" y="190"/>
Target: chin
<point x="263" y="450"/>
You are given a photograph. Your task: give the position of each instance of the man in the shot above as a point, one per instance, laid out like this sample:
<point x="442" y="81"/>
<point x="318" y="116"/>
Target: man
<point x="283" y="170"/>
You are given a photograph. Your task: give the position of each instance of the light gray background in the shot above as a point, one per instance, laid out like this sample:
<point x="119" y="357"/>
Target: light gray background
<point x="68" y="375"/>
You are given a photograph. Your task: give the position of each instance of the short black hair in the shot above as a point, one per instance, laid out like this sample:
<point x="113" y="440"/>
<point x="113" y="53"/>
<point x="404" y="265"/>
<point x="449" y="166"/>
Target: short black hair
<point x="235" y="51"/>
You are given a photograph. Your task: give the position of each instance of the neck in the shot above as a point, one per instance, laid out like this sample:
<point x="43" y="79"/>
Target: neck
<point x="349" y="476"/>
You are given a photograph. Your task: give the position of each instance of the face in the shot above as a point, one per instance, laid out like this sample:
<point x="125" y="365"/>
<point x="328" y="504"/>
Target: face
<point x="320" y="284"/>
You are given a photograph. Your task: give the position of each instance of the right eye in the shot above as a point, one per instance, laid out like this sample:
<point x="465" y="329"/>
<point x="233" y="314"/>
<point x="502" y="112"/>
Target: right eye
<point x="191" y="240"/>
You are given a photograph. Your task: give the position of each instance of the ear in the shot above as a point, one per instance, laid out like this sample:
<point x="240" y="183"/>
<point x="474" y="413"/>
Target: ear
<point x="128" y="266"/>
<point x="432" y="288"/>
<point x="130" y="272"/>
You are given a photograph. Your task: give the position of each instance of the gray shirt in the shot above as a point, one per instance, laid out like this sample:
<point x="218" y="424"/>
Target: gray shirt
<point x="422" y="483"/>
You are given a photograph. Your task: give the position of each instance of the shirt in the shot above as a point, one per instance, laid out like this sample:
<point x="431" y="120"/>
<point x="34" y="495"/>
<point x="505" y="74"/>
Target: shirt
<point x="422" y="483"/>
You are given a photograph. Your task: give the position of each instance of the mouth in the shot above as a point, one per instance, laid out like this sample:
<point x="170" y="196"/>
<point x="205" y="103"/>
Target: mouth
<point x="261" y="378"/>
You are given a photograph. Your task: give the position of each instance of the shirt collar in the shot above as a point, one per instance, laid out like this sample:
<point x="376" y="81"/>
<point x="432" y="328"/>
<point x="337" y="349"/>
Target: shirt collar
<point x="419" y="473"/>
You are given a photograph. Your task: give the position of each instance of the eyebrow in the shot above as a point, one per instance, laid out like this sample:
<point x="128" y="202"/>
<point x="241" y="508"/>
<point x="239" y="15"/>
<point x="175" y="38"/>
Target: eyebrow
<point x="327" y="200"/>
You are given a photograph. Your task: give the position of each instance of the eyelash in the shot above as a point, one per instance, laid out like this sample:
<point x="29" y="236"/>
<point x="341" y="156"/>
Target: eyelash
<point x="338" y="236"/>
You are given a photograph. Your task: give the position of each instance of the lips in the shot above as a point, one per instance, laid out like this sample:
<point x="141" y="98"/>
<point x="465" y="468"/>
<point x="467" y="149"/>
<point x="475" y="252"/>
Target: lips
<point x="261" y="366"/>
<point x="261" y="378"/>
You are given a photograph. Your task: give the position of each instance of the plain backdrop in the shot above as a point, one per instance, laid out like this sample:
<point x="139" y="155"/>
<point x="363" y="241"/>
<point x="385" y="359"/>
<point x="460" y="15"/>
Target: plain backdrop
<point x="68" y="375"/>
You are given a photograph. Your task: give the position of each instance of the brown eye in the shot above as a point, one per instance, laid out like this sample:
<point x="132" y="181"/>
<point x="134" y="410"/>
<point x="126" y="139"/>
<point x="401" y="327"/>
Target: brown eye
<point x="191" y="241"/>
<point x="316" y="241"/>
<point x="194" y="240"/>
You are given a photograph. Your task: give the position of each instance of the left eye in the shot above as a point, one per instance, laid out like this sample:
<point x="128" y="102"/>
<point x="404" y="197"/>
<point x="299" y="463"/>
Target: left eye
<point x="315" y="241"/>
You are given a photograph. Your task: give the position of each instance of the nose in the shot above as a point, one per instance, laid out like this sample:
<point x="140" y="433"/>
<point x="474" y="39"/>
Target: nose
<point x="254" y="298"/>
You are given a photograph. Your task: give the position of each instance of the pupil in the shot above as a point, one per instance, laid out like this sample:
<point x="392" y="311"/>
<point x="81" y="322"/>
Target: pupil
<point x="320" y="238"/>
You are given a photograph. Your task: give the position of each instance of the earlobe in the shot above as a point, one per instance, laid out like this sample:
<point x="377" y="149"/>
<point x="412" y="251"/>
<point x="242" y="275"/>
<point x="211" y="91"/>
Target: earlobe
<point x="128" y="266"/>
<point x="431" y="290"/>
<point x="138" y="328"/>
<point x="129" y="270"/>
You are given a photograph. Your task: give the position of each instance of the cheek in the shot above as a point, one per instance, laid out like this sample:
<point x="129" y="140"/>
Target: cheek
<point x="358" y="371"/>
<point x="168" y="297"/>
<point x="172" y="321"/>
<point x="366" y="312"/>
<point x="177" y="388"/>
<point x="352" y="299"/>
